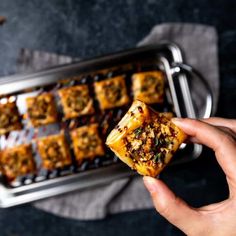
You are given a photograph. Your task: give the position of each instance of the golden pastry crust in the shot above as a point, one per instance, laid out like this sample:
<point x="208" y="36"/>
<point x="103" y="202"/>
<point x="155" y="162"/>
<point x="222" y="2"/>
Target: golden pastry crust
<point x="111" y="92"/>
<point x="17" y="161"/>
<point x="42" y="109"/>
<point x="148" y="86"/>
<point x="145" y="140"/>
<point x="87" y="143"/>
<point x="168" y="115"/>
<point x="9" y="118"/>
<point x="54" y="151"/>
<point x="76" y="101"/>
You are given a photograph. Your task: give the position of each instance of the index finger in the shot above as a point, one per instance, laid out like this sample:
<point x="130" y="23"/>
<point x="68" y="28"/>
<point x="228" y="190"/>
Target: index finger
<point x="222" y="143"/>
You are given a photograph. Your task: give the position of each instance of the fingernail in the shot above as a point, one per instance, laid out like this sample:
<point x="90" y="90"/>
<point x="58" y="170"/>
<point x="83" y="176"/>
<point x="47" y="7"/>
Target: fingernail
<point x="177" y="121"/>
<point x="150" y="184"/>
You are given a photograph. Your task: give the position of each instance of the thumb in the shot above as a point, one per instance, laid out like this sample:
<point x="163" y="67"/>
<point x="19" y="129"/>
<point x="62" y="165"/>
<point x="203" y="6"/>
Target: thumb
<point x="174" y="209"/>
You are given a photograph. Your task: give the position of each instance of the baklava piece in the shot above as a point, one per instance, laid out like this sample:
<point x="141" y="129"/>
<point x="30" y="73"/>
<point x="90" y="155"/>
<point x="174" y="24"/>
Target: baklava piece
<point x="145" y="140"/>
<point x="54" y="151"/>
<point x="148" y="86"/>
<point x="76" y="101"/>
<point x="42" y="109"/>
<point x="87" y="143"/>
<point x="168" y="115"/>
<point x="17" y="161"/>
<point x="9" y="118"/>
<point x="111" y="92"/>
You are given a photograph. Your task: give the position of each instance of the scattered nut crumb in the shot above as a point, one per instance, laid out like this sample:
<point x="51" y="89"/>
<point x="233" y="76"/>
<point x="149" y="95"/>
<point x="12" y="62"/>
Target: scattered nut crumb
<point x="2" y="20"/>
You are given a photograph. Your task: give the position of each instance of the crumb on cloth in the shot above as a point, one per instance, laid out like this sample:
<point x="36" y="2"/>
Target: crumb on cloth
<point x="2" y="20"/>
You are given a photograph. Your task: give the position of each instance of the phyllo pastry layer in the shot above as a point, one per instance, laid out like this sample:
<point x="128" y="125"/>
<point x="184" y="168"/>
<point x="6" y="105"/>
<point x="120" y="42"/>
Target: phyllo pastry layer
<point x="42" y="109"/>
<point x="111" y="92"/>
<point x="145" y="140"/>
<point x="9" y="118"/>
<point x="76" y="101"/>
<point x="54" y="151"/>
<point x="87" y="143"/>
<point x="17" y="161"/>
<point x="148" y="86"/>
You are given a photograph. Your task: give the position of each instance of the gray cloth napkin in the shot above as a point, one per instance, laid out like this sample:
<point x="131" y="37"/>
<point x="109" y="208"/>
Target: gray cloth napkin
<point x="199" y="45"/>
<point x="200" y="50"/>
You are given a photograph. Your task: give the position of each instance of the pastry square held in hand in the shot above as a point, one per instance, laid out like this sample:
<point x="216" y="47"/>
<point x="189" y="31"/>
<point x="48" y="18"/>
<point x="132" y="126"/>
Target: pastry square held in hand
<point x="9" y="118"/>
<point x="17" y="161"/>
<point x="111" y="92"/>
<point x="42" y="109"/>
<point x="76" y="101"/>
<point x="54" y="151"/>
<point x="148" y="86"/>
<point x="145" y="140"/>
<point x="87" y="143"/>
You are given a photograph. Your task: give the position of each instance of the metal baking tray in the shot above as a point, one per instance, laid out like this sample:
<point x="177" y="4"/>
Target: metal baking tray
<point x="164" y="56"/>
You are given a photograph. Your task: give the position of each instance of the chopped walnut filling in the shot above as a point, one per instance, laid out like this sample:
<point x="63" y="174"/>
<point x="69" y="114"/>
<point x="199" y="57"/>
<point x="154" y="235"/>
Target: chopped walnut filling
<point x="151" y="82"/>
<point x="150" y="143"/>
<point x="7" y="119"/>
<point x="113" y="91"/>
<point x="17" y="161"/>
<point x="148" y="86"/>
<point x="40" y="110"/>
<point x="88" y="142"/>
<point x="77" y="100"/>
<point x="55" y="153"/>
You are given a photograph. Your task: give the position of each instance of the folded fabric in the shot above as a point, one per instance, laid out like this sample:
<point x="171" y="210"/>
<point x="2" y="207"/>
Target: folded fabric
<point x="199" y="45"/>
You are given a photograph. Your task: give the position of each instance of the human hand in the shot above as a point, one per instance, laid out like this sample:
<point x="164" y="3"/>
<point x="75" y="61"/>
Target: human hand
<point x="215" y="219"/>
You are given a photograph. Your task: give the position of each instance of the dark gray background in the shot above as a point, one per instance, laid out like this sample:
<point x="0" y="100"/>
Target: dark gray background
<point x="91" y="28"/>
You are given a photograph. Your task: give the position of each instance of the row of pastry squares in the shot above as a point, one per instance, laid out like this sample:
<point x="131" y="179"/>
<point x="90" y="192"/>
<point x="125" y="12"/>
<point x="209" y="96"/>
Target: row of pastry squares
<point x="76" y="101"/>
<point x="54" y="152"/>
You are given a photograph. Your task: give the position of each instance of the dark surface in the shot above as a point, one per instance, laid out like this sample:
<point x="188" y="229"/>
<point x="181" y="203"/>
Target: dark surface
<point x="91" y="28"/>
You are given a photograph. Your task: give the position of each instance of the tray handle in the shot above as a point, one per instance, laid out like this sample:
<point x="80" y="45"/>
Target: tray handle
<point x="177" y="68"/>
